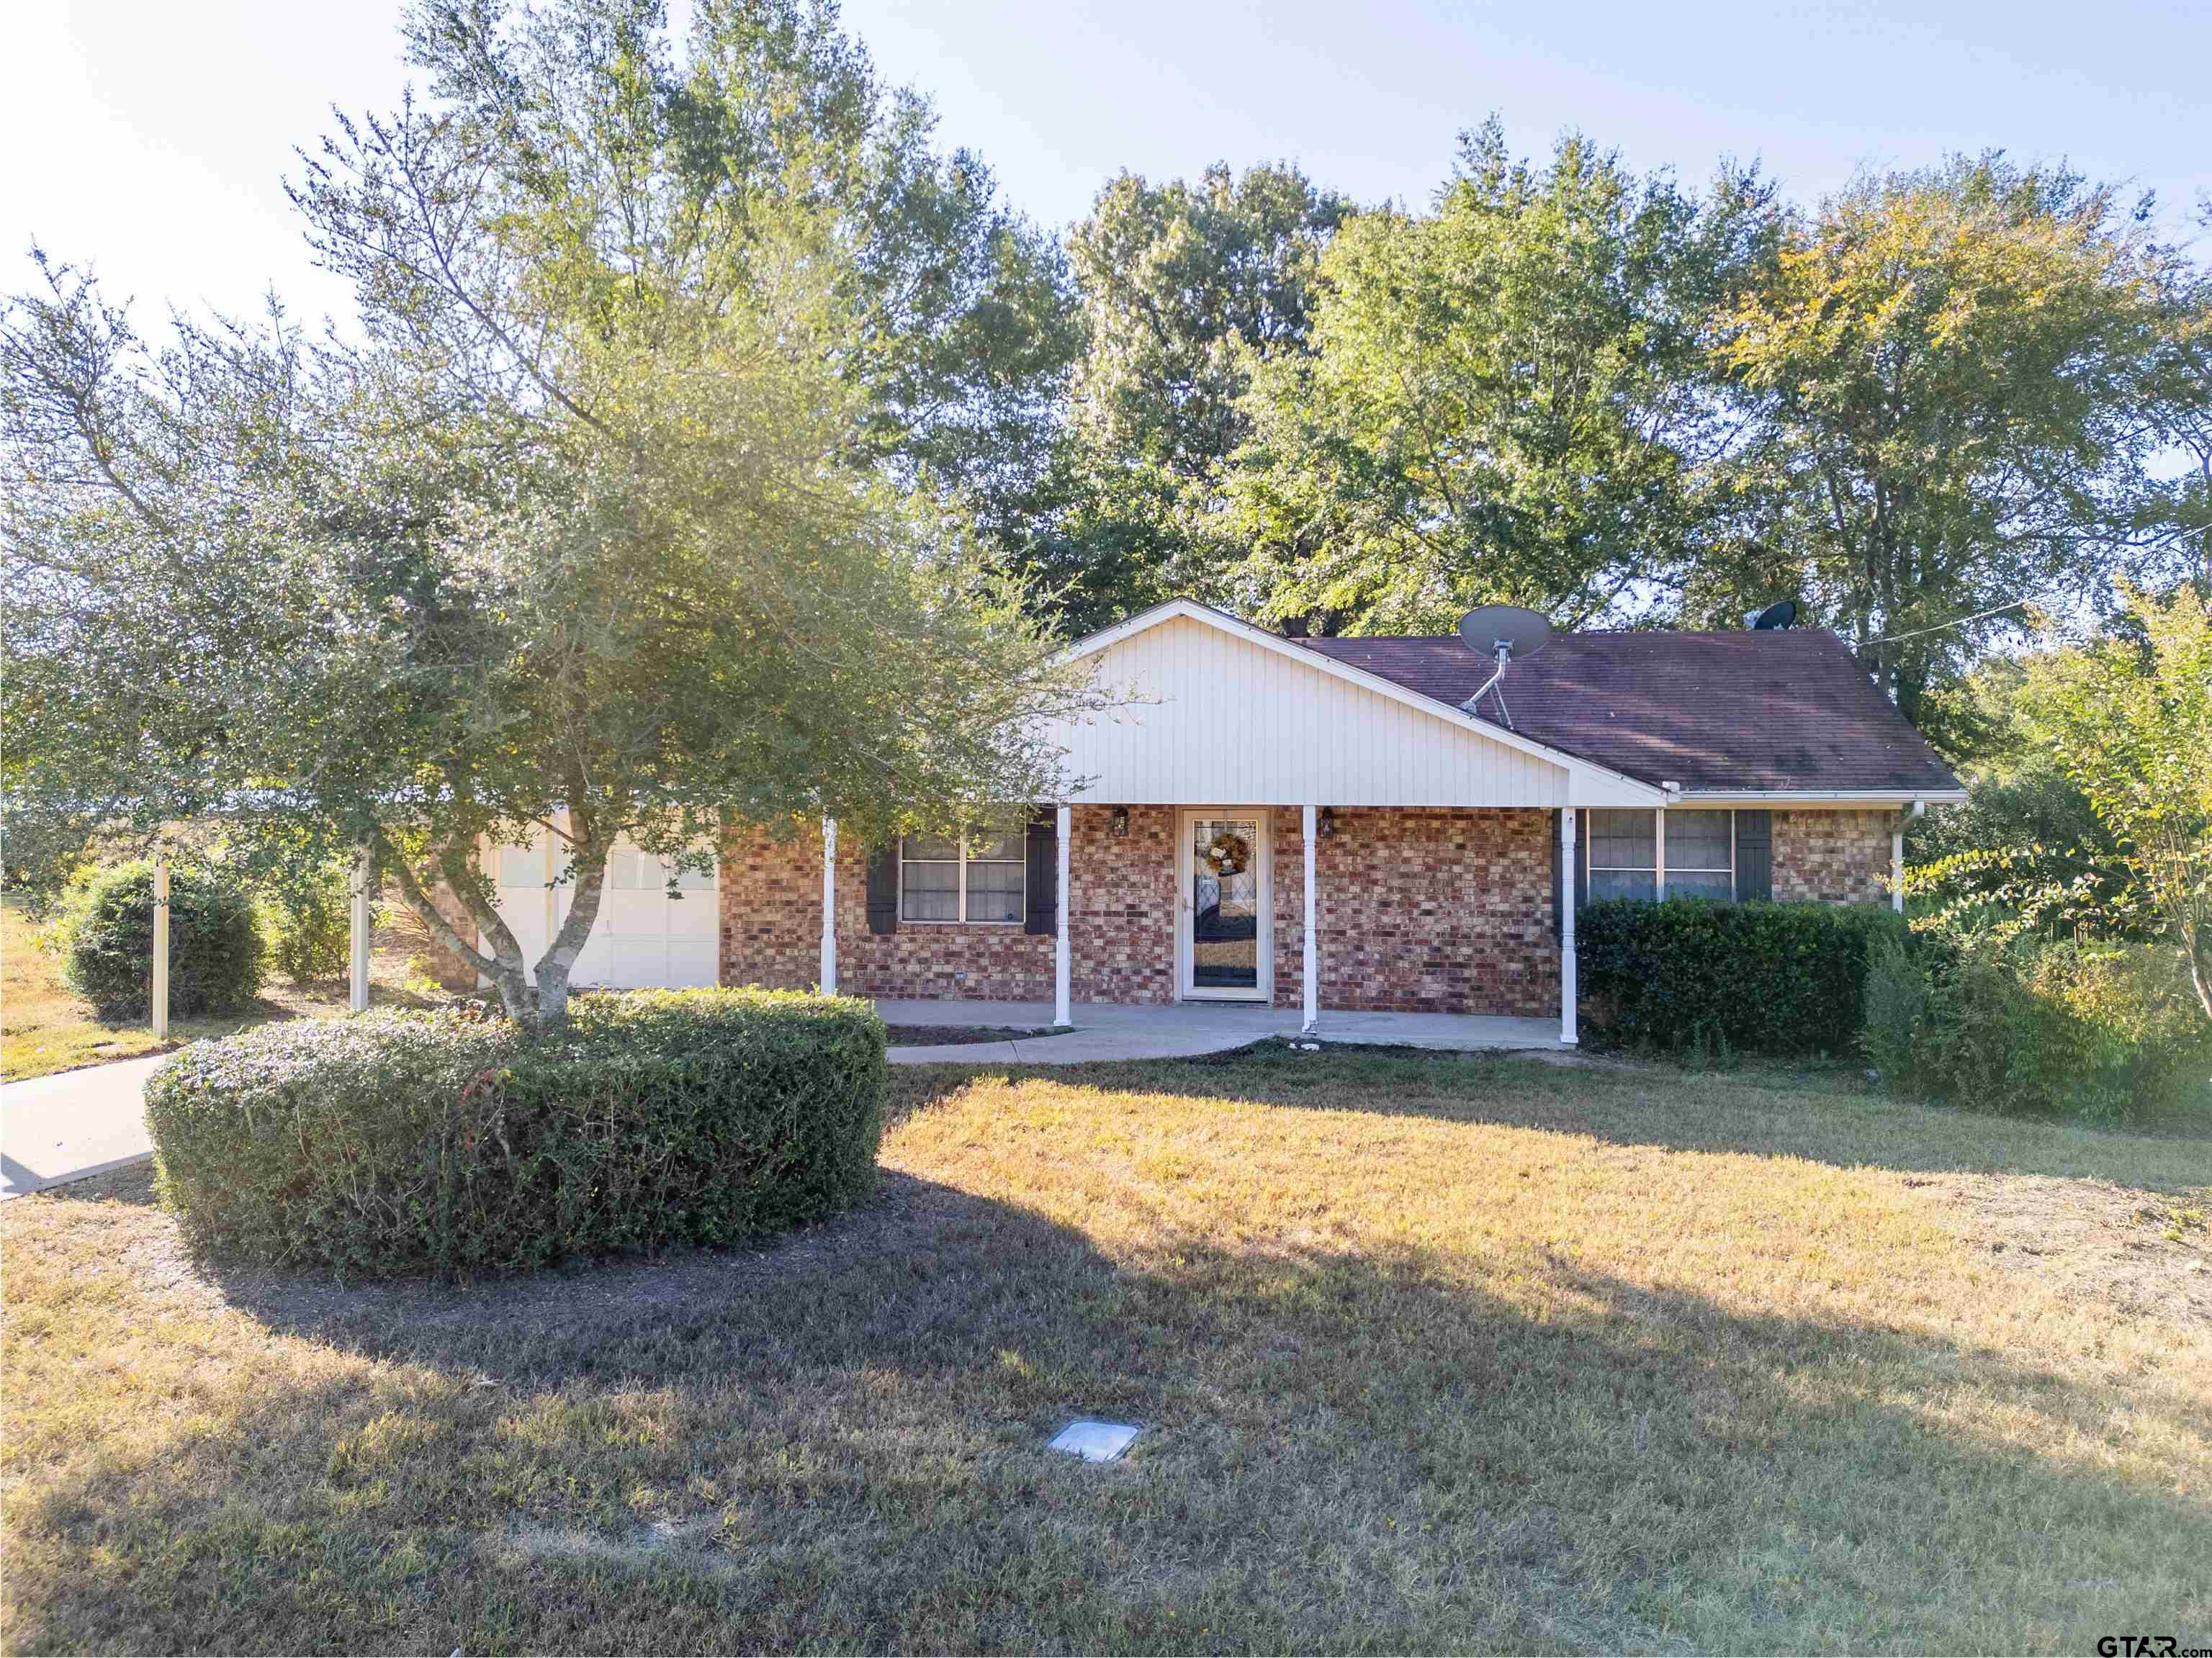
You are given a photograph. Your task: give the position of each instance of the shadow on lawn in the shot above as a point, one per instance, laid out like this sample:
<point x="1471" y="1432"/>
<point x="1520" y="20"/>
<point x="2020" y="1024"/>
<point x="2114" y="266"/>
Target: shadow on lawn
<point x="839" y="1443"/>
<point x="1826" y="1117"/>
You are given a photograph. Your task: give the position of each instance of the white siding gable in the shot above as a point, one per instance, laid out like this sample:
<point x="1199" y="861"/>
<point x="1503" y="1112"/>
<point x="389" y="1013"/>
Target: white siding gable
<point x="1213" y="716"/>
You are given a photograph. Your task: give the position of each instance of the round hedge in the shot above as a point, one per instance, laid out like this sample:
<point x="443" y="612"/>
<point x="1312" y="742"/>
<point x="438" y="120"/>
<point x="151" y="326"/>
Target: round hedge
<point x="215" y="943"/>
<point x="455" y="1144"/>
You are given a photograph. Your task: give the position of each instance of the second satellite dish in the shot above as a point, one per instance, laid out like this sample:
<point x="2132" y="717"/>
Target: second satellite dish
<point x="1504" y="631"/>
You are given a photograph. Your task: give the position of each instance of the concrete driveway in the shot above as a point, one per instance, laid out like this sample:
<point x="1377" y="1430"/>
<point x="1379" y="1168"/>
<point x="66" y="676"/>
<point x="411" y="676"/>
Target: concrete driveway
<point x="63" y="1127"/>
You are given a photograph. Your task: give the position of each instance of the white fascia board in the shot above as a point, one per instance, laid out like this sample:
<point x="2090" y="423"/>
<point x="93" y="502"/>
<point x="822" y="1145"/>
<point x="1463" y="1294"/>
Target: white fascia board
<point x="1587" y="783"/>
<point x="1837" y="799"/>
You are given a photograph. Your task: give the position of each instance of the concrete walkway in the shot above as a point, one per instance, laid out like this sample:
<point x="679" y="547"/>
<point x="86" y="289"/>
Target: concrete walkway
<point x="1103" y="1031"/>
<point x="63" y="1127"/>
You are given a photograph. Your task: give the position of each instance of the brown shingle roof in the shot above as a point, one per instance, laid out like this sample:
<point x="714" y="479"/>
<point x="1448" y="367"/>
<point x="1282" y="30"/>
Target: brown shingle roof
<point x="1785" y="709"/>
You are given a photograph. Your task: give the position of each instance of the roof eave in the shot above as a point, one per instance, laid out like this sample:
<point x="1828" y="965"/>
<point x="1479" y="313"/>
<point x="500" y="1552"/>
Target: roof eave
<point x="1896" y="796"/>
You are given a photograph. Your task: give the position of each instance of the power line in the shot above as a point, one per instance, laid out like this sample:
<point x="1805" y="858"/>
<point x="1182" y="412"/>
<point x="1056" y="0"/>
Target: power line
<point x="1959" y="622"/>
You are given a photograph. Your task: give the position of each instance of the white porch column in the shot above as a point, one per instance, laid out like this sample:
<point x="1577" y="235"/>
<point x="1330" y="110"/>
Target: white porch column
<point x="161" y="1009"/>
<point x="1659" y="852"/>
<point x="1569" y="985"/>
<point x="1311" y="1002"/>
<point x="1897" y="865"/>
<point x="829" y="907"/>
<point x="1063" y="957"/>
<point x="357" y="934"/>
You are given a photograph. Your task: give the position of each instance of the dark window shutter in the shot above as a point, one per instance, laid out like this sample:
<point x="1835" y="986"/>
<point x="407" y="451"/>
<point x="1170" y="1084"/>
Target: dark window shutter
<point x="1754" y="855"/>
<point x="882" y="887"/>
<point x="1582" y="860"/>
<point x="1559" y="892"/>
<point x="1043" y="915"/>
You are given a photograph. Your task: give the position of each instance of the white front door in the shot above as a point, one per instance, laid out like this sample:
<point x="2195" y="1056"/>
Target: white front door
<point x="1224" y="924"/>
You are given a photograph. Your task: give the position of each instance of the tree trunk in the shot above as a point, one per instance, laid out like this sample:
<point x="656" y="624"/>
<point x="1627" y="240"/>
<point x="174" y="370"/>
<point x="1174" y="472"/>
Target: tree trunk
<point x="508" y="972"/>
<point x="560" y="957"/>
<point x="504" y="966"/>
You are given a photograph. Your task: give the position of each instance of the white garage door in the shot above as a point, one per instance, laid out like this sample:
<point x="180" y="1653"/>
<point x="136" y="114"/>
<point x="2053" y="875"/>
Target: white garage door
<point x="644" y="935"/>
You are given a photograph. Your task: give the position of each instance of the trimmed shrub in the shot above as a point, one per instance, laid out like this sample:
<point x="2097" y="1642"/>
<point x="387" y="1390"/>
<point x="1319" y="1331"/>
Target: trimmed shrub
<point x="2018" y="1026"/>
<point x="308" y="928"/>
<point x="106" y="935"/>
<point x="1692" y="973"/>
<point x="453" y="1144"/>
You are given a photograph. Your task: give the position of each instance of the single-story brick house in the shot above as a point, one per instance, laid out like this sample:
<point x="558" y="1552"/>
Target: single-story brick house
<point x="1324" y="824"/>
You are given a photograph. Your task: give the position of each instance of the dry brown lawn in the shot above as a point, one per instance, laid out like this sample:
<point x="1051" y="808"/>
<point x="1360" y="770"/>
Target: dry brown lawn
<point x="1430" y="1353"/>
<point x="45" y="1027"/>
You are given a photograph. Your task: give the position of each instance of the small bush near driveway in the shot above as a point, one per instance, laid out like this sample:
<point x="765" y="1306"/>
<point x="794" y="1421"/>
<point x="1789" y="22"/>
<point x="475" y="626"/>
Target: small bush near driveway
<point x="1784" y="980"/>
<point x="409" y="1142"/>
<point x="107" y="933"/>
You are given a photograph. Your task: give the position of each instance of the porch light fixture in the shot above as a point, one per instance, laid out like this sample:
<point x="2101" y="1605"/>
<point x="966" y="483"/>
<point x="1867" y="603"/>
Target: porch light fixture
<point x="1326" y="827"/>
<point x="1120" y="824"/>
<point x="1095" y="1442"/>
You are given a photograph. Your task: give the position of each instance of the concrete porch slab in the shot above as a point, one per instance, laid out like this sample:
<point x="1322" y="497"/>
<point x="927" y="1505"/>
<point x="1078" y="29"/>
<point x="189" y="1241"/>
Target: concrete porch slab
<point x="1107" y="1031"/>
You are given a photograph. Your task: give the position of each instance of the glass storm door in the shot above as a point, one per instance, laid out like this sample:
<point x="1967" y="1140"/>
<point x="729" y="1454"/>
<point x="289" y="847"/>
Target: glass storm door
<point x="1224" y="906"/>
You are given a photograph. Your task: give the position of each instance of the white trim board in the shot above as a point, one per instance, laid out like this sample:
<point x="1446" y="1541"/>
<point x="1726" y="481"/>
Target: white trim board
<point x="1812" y="799"/>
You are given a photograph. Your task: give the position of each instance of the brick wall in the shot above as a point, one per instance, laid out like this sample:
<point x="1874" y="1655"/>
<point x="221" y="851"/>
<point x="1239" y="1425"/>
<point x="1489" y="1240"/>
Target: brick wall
<point x="404" y="930"/>
<point x="1121" y="922"/>
<point x="1832" y="856"/>
<point x="1121" y="907"/>
<point x="771" y="904"/>
<point x="450" y="967"/>
<point x="1422" y="912"/>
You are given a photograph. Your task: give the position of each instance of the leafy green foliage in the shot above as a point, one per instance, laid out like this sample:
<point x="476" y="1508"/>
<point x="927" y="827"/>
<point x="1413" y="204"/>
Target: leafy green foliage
<point x="403" y="1142"/>
<point x="308" y="926"/>
<point x="638" y="506"/>
<point x="2022" y="1026"/>
<point x="1184" y="288"/>
<point x="105" y="934"/>
<point x="2132" y="717"/>
<point x="2025" y="845"/>
<point x="1502" y="400"/>
<point x="1690" y="975"/>
<point x="1949" y="381"/>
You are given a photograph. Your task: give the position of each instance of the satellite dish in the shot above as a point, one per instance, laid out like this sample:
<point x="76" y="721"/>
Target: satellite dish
<point x="1773" y="617"/>
<point x="1504" y="631"/>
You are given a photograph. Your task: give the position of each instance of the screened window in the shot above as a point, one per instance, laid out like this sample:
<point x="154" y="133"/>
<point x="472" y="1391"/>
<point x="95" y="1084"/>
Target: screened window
<point x="1624" y="855"/>
<point x="1701" y="855"/>
<point x="981" y="876"/>
<point x="1627" y="859"/>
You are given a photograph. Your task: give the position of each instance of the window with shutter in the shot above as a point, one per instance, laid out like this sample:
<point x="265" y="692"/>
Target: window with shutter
<point x="981" y="876"/>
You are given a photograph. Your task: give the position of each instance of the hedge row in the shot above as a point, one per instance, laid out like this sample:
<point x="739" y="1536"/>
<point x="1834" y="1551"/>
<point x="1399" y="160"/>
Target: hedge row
<point x="403" y="1142"/>
<point x="1758" y="978"/>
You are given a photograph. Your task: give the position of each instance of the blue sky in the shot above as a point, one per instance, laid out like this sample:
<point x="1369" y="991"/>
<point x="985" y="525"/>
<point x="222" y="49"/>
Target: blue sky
<point x="151" y="138"/>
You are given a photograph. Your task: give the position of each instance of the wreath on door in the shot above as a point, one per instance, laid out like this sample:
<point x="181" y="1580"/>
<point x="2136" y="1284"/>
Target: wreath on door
<point x="1228" y="853"/>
